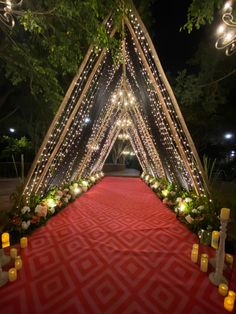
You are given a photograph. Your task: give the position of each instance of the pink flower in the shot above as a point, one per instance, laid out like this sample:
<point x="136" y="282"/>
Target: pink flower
<point x="41" y="210"/>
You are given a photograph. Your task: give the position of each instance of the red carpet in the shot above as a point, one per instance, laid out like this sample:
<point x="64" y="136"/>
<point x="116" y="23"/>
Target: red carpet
<point x="116" y="249"/>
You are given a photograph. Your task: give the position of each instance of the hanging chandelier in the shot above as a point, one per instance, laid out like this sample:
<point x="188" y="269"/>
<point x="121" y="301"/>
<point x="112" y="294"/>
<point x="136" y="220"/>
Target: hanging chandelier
<point x="227" y="30"/>
<point x="8" y="12"/>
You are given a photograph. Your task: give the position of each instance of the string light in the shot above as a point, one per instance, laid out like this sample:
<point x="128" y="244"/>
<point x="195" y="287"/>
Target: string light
<point x="8" y="12"/>
<point x="226" y="32"/>
<point x="103" y="106"/>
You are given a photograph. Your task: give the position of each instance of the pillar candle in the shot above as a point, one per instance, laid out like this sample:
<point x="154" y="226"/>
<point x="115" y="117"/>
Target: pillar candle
<point x="194" y="255"/>
<point x="215" y="236"/>
<point x="232" y="294"/>
<point x="204" y="263"/>
<point x="229" y="304"/>
<point x="223" y="289"/>
<point x="13" y="252"/>
<point x="229" y="258"/>
<point x="12" y="274"/>
<point x="195" y="246"/>
<point x="18" y="263"/>
<point x="5" y="240"/>
<point x="224" y="213"/>
<point x="23" y="242"/>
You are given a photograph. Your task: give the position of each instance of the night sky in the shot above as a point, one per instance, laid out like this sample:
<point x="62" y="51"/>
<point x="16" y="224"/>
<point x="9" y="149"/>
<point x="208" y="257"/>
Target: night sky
<point x="173" y="47"/>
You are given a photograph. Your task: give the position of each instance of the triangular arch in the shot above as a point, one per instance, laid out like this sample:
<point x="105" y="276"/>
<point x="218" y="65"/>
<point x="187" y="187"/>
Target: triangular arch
<point x="86" y="124"/>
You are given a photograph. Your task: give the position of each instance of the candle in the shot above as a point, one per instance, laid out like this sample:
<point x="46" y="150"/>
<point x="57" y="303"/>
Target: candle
<point x="229" y="258"/>
<point x="5" y="240"/>
<point x="195" y="246"/>
<point x="223" y="289"/>
<point x="18" y="263"/>
<point x="232" y="294"/>
<point x="12" y="274"/>
<point x="229" y="304"/>
<point x="13" y="252"/>
<point x="23" y="242"/>
<point x="215" y="239"/>
<point x="204" y="263"/>
<point x="194" y="255"/>
<point x="224" y="213"/>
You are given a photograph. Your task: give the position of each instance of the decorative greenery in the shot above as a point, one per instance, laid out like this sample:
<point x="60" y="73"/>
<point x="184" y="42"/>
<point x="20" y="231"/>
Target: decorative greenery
<point x="196" y="212"/>
<point x="27" y="217"/>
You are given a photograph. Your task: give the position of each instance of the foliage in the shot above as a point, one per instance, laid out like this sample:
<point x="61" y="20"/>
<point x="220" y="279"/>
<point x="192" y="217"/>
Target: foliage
<point x="15" y="146"/>
<point x="196" y="212"/>
<point x="201" y="12"/>
<point x="204" y="91"/>
<point x="25" y="218"/>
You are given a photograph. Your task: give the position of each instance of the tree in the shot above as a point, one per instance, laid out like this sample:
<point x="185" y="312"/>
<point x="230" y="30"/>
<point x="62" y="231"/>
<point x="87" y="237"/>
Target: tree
<point x="43" y="52"/>
<point x="201" y="12"/>
<point x="205" y="92"/>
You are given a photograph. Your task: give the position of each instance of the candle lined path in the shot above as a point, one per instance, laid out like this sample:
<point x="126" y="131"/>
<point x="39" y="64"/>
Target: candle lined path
<point x="116" y="249"/>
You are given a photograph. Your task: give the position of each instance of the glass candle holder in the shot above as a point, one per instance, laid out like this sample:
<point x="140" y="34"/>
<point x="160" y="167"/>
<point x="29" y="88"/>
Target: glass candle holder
<point x="18" y="263"/>
<point x="204" y="263"/>
<point x="5" y="240"/>
<point x="215" y="236"/>
<point x="194" y="255"/>
<point x="229" y="304"/>
<point x="23" y="242"/>
<point x="12" y="274"/>
<point x="13" y="252"/>
<point x="232" y="294"/>
<point x="223" y="289"/>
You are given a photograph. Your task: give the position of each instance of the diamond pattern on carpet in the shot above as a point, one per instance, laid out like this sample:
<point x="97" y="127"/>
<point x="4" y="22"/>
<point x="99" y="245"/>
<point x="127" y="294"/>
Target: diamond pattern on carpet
<point x="116" y="249"/>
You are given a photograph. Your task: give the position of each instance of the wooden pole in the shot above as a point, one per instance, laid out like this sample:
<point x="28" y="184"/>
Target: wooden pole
<point x="173" y="99"/>
<point x="162" y="102"/>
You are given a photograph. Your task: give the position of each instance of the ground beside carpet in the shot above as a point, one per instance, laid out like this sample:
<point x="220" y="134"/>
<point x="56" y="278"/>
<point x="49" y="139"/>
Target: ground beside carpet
<point x="116" y="249"/>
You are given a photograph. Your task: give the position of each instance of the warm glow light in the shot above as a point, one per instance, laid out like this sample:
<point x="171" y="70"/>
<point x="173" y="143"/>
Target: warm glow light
<point x="182" y="207"/>
<point x="165" y="192"/>
<point x="221" y="29"/>
<point x="229" y="36"/>
<point x="77" y="190"/>
<point x="227" y="6"/>
<point x="51" y="202"/>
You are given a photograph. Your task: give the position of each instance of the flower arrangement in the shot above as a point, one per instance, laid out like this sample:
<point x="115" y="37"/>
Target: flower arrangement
<point x="197" y="212"/>
<point x="28" y="217"/>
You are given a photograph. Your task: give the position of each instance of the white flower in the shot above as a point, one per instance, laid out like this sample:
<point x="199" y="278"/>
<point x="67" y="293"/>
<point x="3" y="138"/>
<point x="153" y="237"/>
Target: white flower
<point x="25" y="225"/>
<point x="68" y="196"/>
<point x="51" y="210"/>
<point x="172" y="193"/>
<point x="194" y="211"/>
<point x="65" y="199"/>
<point x="25" y="209"/>
<point x="59" y="193"/>
<point x="66" y="190"/>
<point x="188" y="200"/>
<point x="201" y="207"/>
<point x="75" y="185"/>
<point x="178" y="199"/>
<point x="58" y="197"/>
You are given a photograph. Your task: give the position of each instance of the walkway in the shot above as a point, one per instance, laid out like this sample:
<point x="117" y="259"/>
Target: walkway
<point x="116" y="249"/>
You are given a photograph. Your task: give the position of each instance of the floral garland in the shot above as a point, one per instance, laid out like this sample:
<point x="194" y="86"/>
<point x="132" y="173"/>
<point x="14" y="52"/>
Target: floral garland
<point x="196" y="212"/>
<point x="28" y="217"/>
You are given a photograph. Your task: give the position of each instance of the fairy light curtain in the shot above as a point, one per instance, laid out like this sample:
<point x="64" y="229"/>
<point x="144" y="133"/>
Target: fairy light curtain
<point x="90" y="117"/>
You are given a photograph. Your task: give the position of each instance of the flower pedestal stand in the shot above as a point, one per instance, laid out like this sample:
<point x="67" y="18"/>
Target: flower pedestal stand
<point x="217" y="277"/>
